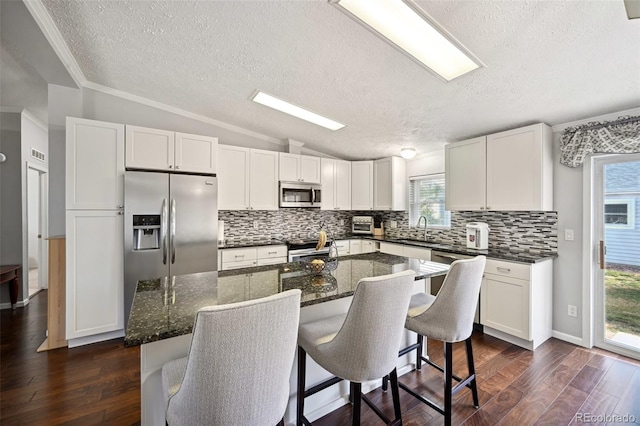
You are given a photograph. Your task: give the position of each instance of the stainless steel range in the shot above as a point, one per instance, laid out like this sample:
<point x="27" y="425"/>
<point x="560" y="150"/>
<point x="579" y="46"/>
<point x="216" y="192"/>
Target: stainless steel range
<point x="299" y="249"/>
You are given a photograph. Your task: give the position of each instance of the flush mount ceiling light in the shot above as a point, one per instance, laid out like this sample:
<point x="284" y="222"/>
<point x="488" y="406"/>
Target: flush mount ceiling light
<point x="288" y="108"/>
<point x="407" y="153"/>
<point x="405" y="26"/>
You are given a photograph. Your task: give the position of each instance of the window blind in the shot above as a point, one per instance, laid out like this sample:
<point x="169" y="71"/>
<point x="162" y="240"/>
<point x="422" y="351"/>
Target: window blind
<point x="426" y="198"/>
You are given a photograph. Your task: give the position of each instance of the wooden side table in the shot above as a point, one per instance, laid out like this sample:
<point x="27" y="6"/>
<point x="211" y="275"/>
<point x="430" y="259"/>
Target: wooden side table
<point x="10" y="274"/>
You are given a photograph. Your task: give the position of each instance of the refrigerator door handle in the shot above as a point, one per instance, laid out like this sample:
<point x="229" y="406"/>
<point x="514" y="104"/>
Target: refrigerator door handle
<point x="173" y="231"/>
<point x="163" y="230"/>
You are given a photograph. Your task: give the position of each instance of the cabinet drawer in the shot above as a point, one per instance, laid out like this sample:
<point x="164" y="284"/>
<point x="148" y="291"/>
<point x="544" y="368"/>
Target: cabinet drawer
<point x="237" y="265"/>
<point x="238" y="255"/>
<point x="272" y="261"/>
<point x="343" y="247"/>
<point x="508" y="269"/>
<point x="271" y="251"/>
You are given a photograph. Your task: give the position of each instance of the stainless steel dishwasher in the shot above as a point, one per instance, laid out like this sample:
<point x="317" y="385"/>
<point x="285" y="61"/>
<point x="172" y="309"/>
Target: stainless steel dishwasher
<point x="436" y="282"/>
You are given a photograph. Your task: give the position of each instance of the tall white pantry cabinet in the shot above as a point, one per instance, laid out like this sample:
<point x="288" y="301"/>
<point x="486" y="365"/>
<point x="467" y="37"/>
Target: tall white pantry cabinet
<point x="94" y="224"/>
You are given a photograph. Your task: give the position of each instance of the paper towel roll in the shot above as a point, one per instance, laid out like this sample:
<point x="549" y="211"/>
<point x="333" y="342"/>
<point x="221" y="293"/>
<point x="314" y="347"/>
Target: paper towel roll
<point x="221" y="231"/>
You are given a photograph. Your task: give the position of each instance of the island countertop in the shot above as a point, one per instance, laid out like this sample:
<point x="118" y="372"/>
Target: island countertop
<point x="166" y="307"/>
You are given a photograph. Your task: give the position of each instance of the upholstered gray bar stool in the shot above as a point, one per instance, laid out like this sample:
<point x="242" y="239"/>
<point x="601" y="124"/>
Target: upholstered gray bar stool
<point x="361" y="345"/>
<point x="447" y="317"/>
<point x="239" y="364"/>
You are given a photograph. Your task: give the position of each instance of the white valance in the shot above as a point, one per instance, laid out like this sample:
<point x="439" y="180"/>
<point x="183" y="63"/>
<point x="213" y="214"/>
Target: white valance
<point x="611" y="137"/>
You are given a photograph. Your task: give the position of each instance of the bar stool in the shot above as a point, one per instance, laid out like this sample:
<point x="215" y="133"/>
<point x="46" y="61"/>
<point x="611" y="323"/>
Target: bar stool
<point x="239" y="364"/>
<point x="447" y="317"/>
<point x="361" y="345"/>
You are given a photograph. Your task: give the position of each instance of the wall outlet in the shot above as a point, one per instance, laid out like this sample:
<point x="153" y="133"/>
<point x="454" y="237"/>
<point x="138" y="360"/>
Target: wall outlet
<point x="572" y="311"/>
<point x="255" y="224"/>
<point x="568" y="234"/>
<point x="341" y="222"/>
<point x="394" y="224"/>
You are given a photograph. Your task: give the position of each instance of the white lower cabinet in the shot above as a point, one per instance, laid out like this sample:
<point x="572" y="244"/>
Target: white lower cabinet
<point x="406" y="251"/>
<point x="343" y="246"/>
<point x="516" y="302"/>
<point x="95" y="273"/>
<point x="246" y="257"/>
<point x="368" y="246"/>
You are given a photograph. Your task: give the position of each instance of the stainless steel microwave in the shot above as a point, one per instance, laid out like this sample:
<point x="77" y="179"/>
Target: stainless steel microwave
<point x="296" y="194"/>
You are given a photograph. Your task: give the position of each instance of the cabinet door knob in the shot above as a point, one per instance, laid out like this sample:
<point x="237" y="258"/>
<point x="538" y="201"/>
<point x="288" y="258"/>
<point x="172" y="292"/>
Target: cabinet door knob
<point x="488" y="207"/>
<point x="170" y="166"/>
<point x="121" y="206"/>
<point x="177" y="167"/>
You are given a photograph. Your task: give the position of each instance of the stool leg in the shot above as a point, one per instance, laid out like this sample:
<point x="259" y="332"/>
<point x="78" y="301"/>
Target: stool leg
<point x="352" y="391"/>
<point x="302" y="367"/>
<point x="472" y="372"/>
<point x="395" y="394"/>
<point x="385" y="383"/>
<point x="357" y="403"/>
<point x="448" y="365"/>
<point x="420" y="349"/>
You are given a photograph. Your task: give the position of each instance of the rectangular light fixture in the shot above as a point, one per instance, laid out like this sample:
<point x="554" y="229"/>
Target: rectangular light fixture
<point x="296" y="111"/>
<point x="404" y="25"/>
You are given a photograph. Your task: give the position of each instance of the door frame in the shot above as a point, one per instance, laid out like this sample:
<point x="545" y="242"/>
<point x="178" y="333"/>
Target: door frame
<point x="43" y="217"/>
<point x="592" y="301"/>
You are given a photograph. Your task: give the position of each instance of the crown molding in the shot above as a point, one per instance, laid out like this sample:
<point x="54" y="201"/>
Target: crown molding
<point x="53" y="36"/>
<point x="12" y="110"/>
<point x="26" y="113"/>
<point x="174" y="110"/>
<point x="605" y="117"/>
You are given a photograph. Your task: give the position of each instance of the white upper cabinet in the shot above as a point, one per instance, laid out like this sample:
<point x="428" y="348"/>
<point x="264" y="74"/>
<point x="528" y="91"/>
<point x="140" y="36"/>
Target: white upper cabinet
<point x="465" y="174"/>
<point x="196" y="153"/>
<point x="389" y="184"/>
<point x="153" y="149"/>
<point x="299" y="168"/>
<point x="520" y="169"/>
<point x="336" y="184"/>
<point x="233" y="178"/>
<point x="362" y="185"/>
<point x="247" y="179"/>
<point x="95" y="165"/>
<point x="263" y="178"/>
<point x="511" y="170"/>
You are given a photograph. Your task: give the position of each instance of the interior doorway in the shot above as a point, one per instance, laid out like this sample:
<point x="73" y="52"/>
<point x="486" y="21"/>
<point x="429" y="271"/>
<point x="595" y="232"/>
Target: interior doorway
<point x="617" y="226"/>
<point x="36" y="261"/>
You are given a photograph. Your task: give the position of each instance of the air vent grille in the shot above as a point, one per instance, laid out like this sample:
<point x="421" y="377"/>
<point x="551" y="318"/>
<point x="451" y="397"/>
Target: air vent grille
<point x="37" y="154"/>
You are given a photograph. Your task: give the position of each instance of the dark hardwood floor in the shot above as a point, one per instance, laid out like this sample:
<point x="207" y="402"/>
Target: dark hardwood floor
<point x="100" y="383"/>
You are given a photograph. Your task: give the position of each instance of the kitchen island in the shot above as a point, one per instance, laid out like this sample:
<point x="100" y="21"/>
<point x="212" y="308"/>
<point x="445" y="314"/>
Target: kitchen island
<point x="164" y="309"/>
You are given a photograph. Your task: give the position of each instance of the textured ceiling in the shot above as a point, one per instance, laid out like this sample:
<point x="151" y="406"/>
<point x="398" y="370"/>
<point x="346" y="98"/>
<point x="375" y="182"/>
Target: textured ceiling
<point x="551" y="61"/>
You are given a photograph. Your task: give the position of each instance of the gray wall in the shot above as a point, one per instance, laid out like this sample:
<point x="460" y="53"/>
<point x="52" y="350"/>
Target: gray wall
<point x="10" y="196"/>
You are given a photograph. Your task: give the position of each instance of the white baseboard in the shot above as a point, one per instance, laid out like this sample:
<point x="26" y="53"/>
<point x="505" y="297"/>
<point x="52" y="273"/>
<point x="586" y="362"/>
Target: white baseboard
<point x="87" y="340"/>
<point x="20" y="304"/>
<point x="568" y="338"/>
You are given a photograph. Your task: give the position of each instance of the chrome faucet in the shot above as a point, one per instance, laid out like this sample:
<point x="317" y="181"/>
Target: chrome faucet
<point x="426" y="223"/>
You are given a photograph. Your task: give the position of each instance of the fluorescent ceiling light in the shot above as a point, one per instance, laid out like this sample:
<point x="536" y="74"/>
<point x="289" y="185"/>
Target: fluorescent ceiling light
<point x="296" y="111"/>
<point x="407" y="27"/>
<point x="407" y="153"/>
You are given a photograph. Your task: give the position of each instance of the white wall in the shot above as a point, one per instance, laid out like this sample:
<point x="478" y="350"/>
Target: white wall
<point x="432" y="162"/>
<point x="33" y="214"/>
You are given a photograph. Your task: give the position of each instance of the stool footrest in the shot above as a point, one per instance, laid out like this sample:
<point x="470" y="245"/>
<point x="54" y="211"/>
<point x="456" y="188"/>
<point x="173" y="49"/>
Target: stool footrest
<point x="434" y="365"/>
<point x="416" y="395"/>
<point x="376" y="409"/>
<point x="323" y="385"/>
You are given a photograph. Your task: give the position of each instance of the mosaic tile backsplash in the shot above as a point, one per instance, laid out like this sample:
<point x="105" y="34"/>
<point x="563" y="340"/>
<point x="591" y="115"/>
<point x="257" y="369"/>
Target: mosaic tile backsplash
<point x="518" y="231"/>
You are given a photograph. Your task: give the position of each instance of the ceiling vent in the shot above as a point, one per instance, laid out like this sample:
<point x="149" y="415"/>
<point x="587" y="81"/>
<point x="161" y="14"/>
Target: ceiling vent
<point x="37" y="154"/>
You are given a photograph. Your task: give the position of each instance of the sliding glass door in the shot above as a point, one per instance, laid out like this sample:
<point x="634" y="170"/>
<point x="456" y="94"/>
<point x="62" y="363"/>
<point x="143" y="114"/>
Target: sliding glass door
<point x="617" y="291"/>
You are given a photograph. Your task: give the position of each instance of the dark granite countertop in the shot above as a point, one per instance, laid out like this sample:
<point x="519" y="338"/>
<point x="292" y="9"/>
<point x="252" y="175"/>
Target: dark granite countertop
<point x="166" y="307"/>
<point x="256" y="243"/>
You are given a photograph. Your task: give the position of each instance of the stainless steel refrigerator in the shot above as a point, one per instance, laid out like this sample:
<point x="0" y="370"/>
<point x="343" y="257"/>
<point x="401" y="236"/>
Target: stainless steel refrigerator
<point x="171" y="227"/>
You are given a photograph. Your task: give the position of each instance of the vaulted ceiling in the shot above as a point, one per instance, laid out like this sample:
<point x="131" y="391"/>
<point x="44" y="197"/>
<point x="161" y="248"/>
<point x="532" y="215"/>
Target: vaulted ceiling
<point x="549" y="61"/>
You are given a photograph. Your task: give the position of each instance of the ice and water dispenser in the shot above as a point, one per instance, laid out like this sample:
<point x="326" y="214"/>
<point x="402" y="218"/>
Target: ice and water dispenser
<point x="146" y="232"/>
